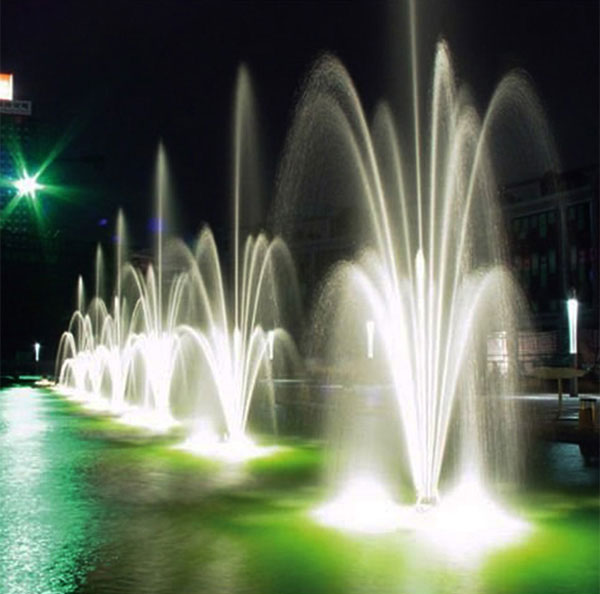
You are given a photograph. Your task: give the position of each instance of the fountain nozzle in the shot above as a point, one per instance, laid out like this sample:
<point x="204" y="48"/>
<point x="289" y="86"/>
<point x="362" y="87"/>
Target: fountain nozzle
<point x="427" y="502"/>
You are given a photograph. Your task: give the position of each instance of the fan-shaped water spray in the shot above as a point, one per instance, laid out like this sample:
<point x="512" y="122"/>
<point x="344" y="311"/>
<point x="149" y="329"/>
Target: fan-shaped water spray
<point x="432" y="284"/>
<point x="169" y="350"/>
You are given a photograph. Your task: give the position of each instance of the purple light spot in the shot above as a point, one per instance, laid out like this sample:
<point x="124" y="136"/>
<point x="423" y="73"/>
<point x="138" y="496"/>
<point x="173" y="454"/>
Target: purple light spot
<point x="156" y="225"/>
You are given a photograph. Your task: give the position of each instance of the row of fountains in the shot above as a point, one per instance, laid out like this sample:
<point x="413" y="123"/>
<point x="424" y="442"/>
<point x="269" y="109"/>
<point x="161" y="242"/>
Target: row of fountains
<point x="411" y="312"/>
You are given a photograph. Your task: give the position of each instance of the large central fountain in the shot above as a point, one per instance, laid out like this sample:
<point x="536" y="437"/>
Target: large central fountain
<point x="413" y="310"/>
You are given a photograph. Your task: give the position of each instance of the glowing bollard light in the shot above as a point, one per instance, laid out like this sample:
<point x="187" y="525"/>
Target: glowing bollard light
<point x="36" y="351"/>
<point x="271" y="343"/>
<point x="370" y="338"/>
<point x="572" y="311"/>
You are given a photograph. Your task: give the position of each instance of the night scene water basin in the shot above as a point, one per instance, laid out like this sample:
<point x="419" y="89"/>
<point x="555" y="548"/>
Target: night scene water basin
<point x="87" y="505"/>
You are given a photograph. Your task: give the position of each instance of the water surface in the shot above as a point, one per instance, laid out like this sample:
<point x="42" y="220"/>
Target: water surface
<point x="89" y="506"/>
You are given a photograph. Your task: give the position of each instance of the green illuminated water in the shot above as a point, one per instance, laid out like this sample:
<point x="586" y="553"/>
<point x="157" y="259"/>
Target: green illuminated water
<point x="89" y="506"/>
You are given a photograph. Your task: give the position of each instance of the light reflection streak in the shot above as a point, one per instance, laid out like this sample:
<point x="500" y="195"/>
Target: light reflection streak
<point x="44" y="517"/>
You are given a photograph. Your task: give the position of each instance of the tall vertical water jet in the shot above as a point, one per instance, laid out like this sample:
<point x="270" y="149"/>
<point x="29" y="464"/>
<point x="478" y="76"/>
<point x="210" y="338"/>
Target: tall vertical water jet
<point x="238" y="336"/>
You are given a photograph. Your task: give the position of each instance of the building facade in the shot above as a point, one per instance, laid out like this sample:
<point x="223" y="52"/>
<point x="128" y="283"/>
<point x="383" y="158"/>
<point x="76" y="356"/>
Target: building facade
<point x="25" y="236"/>
<point x="553" y="235"/>
<point x="551" y="225"/>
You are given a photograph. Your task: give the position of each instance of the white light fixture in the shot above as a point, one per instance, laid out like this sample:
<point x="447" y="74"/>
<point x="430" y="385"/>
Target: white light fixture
<point x="271" y="343"/>
<point x="370" y="338"/>
<point x="572" y="308"/>
<point x="36" y="349"/>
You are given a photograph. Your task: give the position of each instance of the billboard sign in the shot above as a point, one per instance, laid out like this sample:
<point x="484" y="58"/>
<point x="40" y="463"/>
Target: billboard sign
<point x="6" y="87"/>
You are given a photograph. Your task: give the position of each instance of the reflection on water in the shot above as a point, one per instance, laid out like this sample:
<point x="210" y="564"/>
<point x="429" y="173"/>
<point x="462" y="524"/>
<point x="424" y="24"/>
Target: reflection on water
<point x="45" y="517"/>
<point x="563" y="464"/>
<point x="89" y="508"/>
<point x="161" y="554"/>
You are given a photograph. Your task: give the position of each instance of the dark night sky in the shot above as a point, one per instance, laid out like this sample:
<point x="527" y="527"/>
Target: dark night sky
<point x="123" y="74"/>
<point x="119" y="75"/>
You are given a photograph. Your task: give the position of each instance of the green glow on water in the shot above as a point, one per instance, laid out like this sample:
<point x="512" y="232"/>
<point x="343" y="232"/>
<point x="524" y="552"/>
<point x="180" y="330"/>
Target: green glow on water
<point x="91" y="506"/>
<point x="46" y="518"/>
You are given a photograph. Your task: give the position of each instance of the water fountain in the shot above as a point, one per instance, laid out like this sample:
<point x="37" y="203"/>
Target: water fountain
<point x="402" y="328"/>
<point x="429" y="288"/>
<point x="230" y="355"/>
<point x="431" y="284"/>
<point x="161" y="358"/>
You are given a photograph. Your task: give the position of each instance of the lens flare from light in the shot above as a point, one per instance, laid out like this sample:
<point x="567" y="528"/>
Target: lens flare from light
<point x="27" y="186"/>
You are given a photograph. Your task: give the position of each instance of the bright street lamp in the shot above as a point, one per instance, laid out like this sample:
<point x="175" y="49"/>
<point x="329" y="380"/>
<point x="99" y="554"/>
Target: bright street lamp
<point x="27" y="186"/>
<point x="572" y="309"/>
<point x="271" y="343"/>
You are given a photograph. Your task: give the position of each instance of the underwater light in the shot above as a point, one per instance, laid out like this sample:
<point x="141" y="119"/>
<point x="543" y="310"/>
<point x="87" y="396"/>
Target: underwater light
<point x="467" y="523"/>
<point x="147" y="419"/>
<point x="232" y="451"/>
<point x="206" y="442"/>
<point x="463" y="525"/>
<point x="362" y="506"/>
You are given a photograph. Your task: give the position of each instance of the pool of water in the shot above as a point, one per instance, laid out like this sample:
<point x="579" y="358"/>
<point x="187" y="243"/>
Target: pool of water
<point x="87" y="505"/>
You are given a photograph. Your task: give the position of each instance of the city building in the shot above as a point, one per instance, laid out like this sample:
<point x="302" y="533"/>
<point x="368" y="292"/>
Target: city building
<point x="553" y="234"/>
<point x="42" y="245"/>
<point x="552" y="231"/>
<point x="17" y="224"/>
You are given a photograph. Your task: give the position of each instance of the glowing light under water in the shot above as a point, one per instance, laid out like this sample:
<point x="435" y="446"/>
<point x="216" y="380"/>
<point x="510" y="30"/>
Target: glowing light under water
<point x="465" y="525"/>
<point x="468" y="523"/>
<point x="363" y="506"/>
<point x="233" y="451"/>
